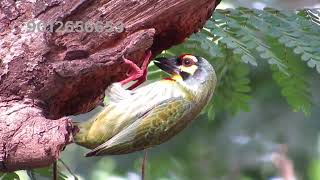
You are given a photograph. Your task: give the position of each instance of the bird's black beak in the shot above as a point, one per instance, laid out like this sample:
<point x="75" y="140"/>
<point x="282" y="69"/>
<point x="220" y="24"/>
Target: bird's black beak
<point x="168" y="65"/>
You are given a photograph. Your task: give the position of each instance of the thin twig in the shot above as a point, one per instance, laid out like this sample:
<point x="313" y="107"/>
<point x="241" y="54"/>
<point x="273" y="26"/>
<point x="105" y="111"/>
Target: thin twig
<point x="284" y="164"/>
<point x="68" y="169"/>
<point x="54" y="171"/>
<point x="144" y="163"/>
<point x="31" y="174"/>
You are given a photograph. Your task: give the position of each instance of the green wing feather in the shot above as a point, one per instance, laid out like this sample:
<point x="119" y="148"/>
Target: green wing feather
<point x="153" y="128"/>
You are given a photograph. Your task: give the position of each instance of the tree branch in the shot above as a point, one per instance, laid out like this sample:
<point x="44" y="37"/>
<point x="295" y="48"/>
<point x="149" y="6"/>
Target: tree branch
<point x="45" y="76"/>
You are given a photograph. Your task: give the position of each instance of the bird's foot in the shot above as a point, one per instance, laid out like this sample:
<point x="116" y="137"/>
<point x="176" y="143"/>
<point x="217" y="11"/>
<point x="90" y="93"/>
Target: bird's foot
<point x="139" y="74"/>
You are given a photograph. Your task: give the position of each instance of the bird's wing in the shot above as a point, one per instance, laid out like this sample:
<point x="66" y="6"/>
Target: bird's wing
<point x="147" y="130"/>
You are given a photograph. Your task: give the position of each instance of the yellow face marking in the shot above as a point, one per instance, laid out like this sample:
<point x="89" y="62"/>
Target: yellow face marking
<point x="190" y="69"/>
<point x="177" y="77"/>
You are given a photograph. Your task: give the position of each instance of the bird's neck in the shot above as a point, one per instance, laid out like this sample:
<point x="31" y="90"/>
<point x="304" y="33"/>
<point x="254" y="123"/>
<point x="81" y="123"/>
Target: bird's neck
<point x="199" y="90"/>
<point x="194" y="89"/>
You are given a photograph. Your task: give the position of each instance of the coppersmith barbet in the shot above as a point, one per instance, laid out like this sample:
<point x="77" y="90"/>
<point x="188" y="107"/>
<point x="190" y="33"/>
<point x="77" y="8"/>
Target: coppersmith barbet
<point x="151" y="114"/>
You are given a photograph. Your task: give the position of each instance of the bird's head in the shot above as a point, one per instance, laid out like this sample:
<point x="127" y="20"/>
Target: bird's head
<point x="187" y="68"/>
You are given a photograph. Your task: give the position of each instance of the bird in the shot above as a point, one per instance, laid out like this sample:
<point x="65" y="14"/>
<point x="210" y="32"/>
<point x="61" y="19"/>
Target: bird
<point x="142" y="117"/>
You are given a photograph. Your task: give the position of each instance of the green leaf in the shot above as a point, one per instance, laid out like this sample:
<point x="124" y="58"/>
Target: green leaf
<point x="249" y="59"/>
<point x="47" y="172"/>
<point x="9" y="176"/>
<point x="232" y="39"/>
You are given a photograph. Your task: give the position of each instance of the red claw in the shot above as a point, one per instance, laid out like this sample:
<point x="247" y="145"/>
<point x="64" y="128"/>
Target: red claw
<point x="139" y="74"/>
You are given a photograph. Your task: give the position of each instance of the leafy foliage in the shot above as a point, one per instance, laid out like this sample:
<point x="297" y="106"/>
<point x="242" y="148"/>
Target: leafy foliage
<point x="9" y="176"/>
<point x="40" y="173"/>
<point x="45" y="172"/>
<point x="236" y="40"/>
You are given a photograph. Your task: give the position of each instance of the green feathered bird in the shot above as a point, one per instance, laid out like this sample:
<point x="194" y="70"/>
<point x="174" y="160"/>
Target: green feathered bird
<point x="137" y="119"/>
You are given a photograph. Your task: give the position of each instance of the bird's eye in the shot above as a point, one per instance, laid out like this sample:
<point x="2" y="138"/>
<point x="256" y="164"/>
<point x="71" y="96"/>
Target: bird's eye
<point x="187" y="62"/>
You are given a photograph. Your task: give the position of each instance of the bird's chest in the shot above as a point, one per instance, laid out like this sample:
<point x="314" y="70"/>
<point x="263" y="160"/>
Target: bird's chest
<point x="125" y="112"/>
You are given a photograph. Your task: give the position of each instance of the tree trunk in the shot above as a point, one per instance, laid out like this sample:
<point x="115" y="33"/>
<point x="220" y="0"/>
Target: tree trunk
<point x="45" y="76"/>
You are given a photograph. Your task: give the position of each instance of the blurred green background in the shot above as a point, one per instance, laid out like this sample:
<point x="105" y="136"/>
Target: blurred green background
<point x="229" y="147"/>
<point x="281" y="4"/>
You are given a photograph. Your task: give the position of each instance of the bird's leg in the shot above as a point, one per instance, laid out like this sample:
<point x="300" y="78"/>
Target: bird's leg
<point x="139" y="74"/>
<point x="144" y="163"/>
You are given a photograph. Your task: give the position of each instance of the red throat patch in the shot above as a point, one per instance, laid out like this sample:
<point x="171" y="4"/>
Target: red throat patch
<point x="169" y="79"/>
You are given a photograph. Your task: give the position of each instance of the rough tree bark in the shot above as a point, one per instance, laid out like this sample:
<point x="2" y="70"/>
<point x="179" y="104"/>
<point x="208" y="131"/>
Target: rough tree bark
<point x="47" y="76"/>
